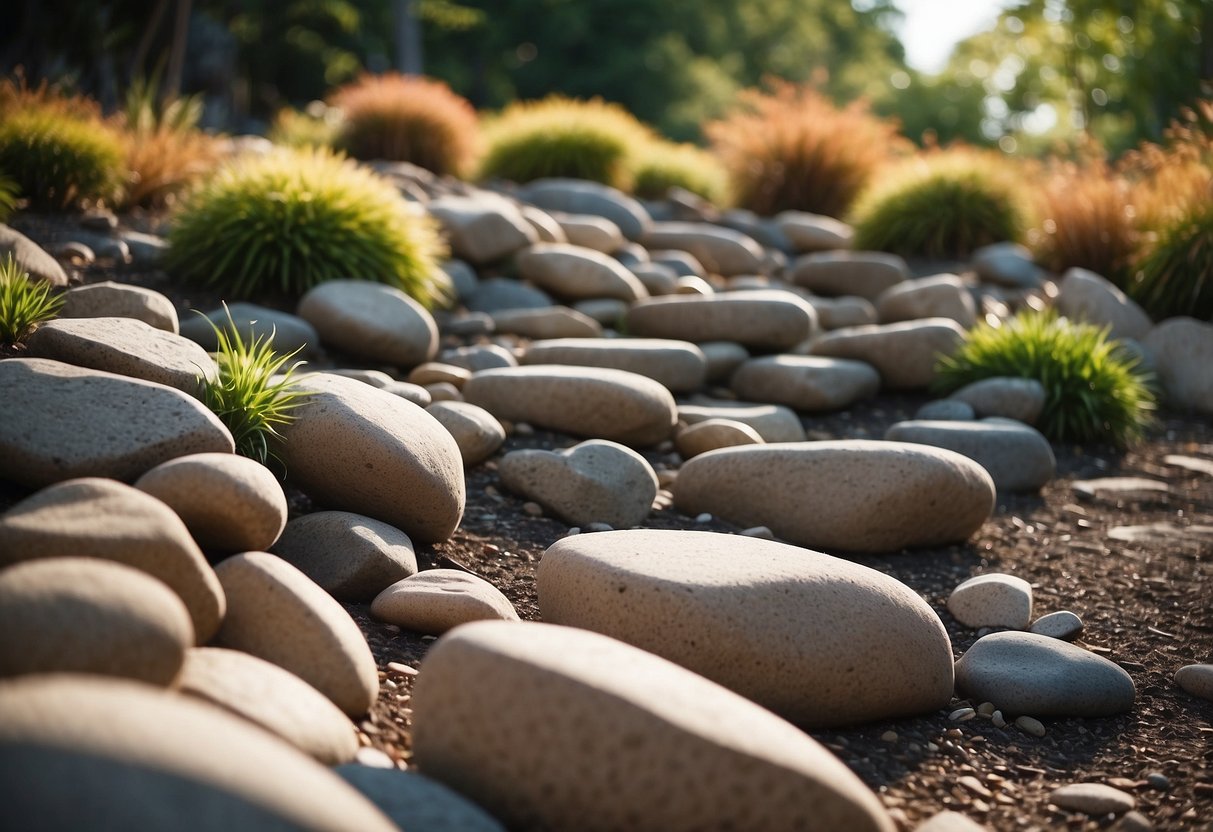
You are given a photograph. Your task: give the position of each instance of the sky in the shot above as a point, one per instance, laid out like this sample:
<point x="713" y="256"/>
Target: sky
<point x="932" y="27"/>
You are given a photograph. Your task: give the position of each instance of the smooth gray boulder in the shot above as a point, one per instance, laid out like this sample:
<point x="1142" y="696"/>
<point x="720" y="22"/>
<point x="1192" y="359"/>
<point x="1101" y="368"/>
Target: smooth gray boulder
<point x="31" y="257"/>
<point x="109" y="299"/>
<point x="482" y="228"/>
<point x="1196" y="679"/>
<point x="992" y="600"/>
<point x="710" y="434"/>
<point x="578" y="196"/>
<point x="351" y="557"/>
<point x="905" y="354"/>
<point x="372" y="321"/>
<point x="550" y="322"/>
<point x="477" y="432"/>
<point x="773" y="422"/>
<point x="759" y="617"/>
<point x="575" y="273"/>
<point x="436" y="600"/>
<point x="1062" y="624"/>
<point x="589" y="231"/>
<point x="495" y="294"/>
<point x="805" y="383"/>
<point x="850" y="495"/>
<point x="579" y="731"/>
<point x="287" y="333"/>
<point x="722" y="251"/>
<point x="1182" y="351"/>
<point x="772" y="320"/>
<point x="865" y="274"/>
<point x="940" y="296"/>
<point x="1026" y="673"/>
<point x="678" y="365"/>
<point x="1017" y="456"/>
<point x="1083" y="295"/>
<point x="808" y="232"/>
<point x="414" y="801"/>
<point x="1022" y="399"/>
<point x="65" y="422"/>
<point x="1007" y="264"/>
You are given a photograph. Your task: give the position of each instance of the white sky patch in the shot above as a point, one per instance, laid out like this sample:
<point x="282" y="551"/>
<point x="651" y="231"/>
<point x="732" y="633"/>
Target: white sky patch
<point x="932" y="28"/>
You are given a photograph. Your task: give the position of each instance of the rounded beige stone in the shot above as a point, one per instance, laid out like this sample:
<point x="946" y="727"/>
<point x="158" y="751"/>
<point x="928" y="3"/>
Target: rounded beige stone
<point x="549" y="322"/>
<point x="575" y="272"/>
<point x="905" y="354"/>
<point x="1196" y="679"/>
<point x="352" y="447"/>
<point x="109" y="299"/>
<point x="482" y="228"/>
<point x="277" y="613"/>
<point x="477" y="432"/>
<point x="852" y="495"/>
<point x="818" y="640"/>
<point x="437" y="600"/>
<point x="97" y="518"/>
<point x="848" y="310"/>
<point x="865" y="274"/>
<point x="546" y="227"/>
<point x="371" y="320"/>
<point x="85" y="752"/>
<point x="722" y="251"/>
<point x="712" y="434"/>
<point x="773" y="422"/>
<point x="434" y="372"/>
<point x="992" y="600"/>
<point x="814" y="232"/>
<point x="940" y="296"/>
<point x="1021" y="399"/>
<point x="678" y="365"/>
<point x="583" y="401"/>
<point x="579" y="731"/>
<point x="769" y="319"/>
<point x="229" y="503"/>
<point x="1092" y="799"/>
<point x="1086" y="296"/>
<point x="268" y="696"/>
<point x="78" y="422"/>
<point x="723" y="358"/>
<point x="589" y="231"/>
<point x="1017" y="457"/>
<point x="578" y="196"/>
<point x="596" y="481"/>
<point x="349" y="556"/>
<point x="805" y="383"/>
<point x="656" y="278"/>
<point x="84" y="615"/>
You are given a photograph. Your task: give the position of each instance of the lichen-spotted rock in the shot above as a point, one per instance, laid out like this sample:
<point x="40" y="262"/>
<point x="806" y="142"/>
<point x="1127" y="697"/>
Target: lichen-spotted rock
<point x="580" y="731"/>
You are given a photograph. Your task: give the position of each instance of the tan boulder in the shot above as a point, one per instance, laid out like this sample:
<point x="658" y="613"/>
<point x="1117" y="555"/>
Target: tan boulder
<point x="575" y="272"/>
<point x="711" y="434"/>
<point x="578" y="196"/>
<point x="30" y="257"/>
<point x="372" y="321"/>
<point x="1083" y="295"/>
<point x="814" y="232"/>
<point x="476" y="431"/>
<point x="109" y="299"/>
<point x="722" y="251"/>
<point x="1182" y="351"/>
<point x="589" y="231"/>
<point x="940" y="296"/>
<point x="773" y="422"/>
<point x="805" y="383"/>
<point x="482" y="228"/>
<point x="905" y="354"/>
<point x="678" y="365"/>
<point x="437" y="600"/>
<point x="549" y="322"/>
<point x="863" y="273"/>
<point x="761" y="319"/>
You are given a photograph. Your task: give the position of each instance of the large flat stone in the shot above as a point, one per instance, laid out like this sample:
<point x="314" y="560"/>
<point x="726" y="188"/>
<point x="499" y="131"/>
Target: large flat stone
<point x="575" y="272"/>
<point x="804" y="382"/>
<point x="678" y="365"/>
<point x="905" y="354"/>
<point x="1018" y="457"/>
<point x="769" y="319"/>
<point x="722" y="251"/>
<point x="577" y="196"/>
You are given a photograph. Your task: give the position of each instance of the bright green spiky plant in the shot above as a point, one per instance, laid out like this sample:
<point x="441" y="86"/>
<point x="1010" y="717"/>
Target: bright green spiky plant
<point x="285" y="222"/>
<point x="659" y="166"/>
<point x="563" y="137"/>
<point x="250" y="393"/>
<point x="945" y="204"/>
<point x="1175" y="273"/>
<point x="60" y="160"/>
<point x="1094" y="389"/>
<point x="24" y="303"/>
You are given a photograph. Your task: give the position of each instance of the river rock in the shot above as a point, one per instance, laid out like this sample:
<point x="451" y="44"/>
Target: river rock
<point x="229" y="503"/>
<point x="72" y="422"/>
<point x="593" y="482"/>
<point x="479" y="357"/>
<point x="30" y="257"/>
<point x="125" y="347"/>
<point x="941" y="296"/>
<point x="1092" y="799"/>
<point x="574" y="272"/>
<point x="945" y="410"/>
<point x="711" y="434"/>
<point x="773" y="422"/>
<point x="1182" y="349"/>
<point x="722" y="251"/>
<point x="551" y="322"/>
<point x="1062" y="624"/>
<point x="680" y="366"/>
<point x="848" y="310"/>
<point x="483" y="228"/>
<point x="874" y="649"/>
<point x="1196" y="679"/>
<point x="349" y="556"/>
<point x="1083" y="295"/>
<point x="476" y="431"/>
<point x="495" y="294"/>
<point x="805" y="383"/>
<point x="992" y="600"/>
<point x="545" y="225"/>
<point x="590" y="232"/>
<point x="865" y="274"/>
<point x="1007" y="264"/>
<point x="104" y="519"/>
<point x="438" y="600"/>
<point x="287" y="333"/>
<point x="905" y="354"/>
<point x="850" y="495"/>
<point x="277" y="613"/>
<point x="1025" y="673"/>
<point x="582" y="401"/>
<point x="762" y="319"/>
<point x="1022" y="399"/>
<point x="655" y="746"/>
<point x="607" y="311"/>
<point x="85" y="615"/>
<point x="814" y="232"/>
<point x="578" y="196"/>
<point x="415" y="801"/>
<point x="109" y="299"/>
<point x="1018" y="457"/>
<point x="92" y="753"/>
<point x="372" y="321"/>
<point x="272" y="698"/>
<point x="355" y="448"/>
<point x="656" y="278"/>
<point x="950" y="822"/>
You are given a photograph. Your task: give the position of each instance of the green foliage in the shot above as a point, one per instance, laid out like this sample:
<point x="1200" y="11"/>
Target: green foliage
<point x="144" y="111"/>
<point x="1094" y="390"/>
<point x="8" y="197"/>
<point x="24" y="303"/>
<point x="59" y="161"/>
<point x="285" y="222"/>
<point x="563" y="137"/>
<point x="1175" y="275"/>
<point x="314" y="127"/>
<point x="942" y="205"/>
<point x="250" y="394"/>
<point x="659" y="166"/>
<point x="408" y="119"/>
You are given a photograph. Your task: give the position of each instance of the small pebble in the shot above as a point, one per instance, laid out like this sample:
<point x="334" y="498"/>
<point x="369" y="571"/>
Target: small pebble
<point x="1133" y="822"/>
<point x="998" y="720"/>
<point x="1030" y="725"/>
<point x="760" y="532"/>
<point x="1092" y="799"/>
<point x="889" y="736"/>
<point x="397" y="667"/>
<point x="573" y="530"/>
<point x="1158" y="780"/>
<point x="523" y="429"/>
<point x="599" y="527"/>
<point x="962" y="714"/>
<point x="986" y="709"/>
<point x="532" y="509"/>
<point x="704" y="518"/>
<point x="1062" y="624"/>
<point x="374" y="758"/>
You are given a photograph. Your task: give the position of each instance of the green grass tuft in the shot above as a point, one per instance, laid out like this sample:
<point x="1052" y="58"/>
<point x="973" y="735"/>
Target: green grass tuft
<point x="249" y="393"/>
<point x="563" y="137"/>
<point x="660" y="165"/>
<point x="1175" y="274"/>
<point x="59" y="161"/>
<point x="946" y="205"/>
<point x="24" y="303"/>
<point x="286" y="222"/>
<point x="1094" y="390"/>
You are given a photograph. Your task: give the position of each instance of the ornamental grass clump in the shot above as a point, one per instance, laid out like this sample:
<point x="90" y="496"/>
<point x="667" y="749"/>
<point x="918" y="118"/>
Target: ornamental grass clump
<point x="793" y="149"/>
<point x="563" y="137"/>
<point x="249" y="393"/>
<point x="407" y="119"/>
<point x="1094" y="389"/>
<point x="660" y="165"/>
<point x="285" y="222"/>
<point x="24" y="303"/>
<point x="944" y="204"/>
<point x="1175" y="274"/>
